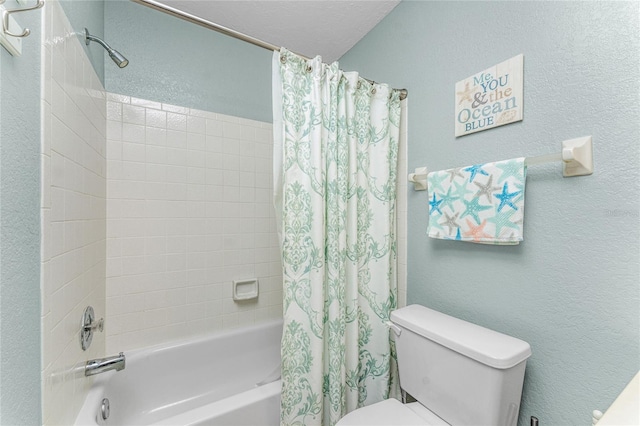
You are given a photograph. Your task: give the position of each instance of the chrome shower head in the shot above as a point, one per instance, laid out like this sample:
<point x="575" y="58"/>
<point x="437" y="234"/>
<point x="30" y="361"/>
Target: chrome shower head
<point x="115" y="56"/>
<point x="118" y="58"/>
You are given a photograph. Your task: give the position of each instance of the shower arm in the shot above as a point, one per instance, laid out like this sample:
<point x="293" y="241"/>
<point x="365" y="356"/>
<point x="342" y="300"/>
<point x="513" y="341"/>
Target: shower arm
<point x="89" y="38"/>
<point x="115" y="56"/>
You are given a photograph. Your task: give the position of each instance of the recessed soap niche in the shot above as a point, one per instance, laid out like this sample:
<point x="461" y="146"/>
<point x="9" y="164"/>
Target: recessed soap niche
<point x="244" y="290"/>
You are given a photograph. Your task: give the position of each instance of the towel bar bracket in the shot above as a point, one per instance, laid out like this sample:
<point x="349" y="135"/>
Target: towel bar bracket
<point x="419" y="179"/>
<point x="577" y="157"/>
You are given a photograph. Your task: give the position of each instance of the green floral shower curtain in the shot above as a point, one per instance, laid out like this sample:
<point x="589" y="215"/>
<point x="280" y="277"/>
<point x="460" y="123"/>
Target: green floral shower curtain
<point x="335" y="162"/>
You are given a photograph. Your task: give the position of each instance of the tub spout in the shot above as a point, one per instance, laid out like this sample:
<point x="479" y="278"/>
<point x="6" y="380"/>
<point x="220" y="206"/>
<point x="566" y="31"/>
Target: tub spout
<point x="97" y="366"/>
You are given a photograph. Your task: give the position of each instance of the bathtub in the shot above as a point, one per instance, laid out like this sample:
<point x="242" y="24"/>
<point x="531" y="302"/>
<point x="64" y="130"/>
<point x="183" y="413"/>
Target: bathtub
<point x="228" y="379"/>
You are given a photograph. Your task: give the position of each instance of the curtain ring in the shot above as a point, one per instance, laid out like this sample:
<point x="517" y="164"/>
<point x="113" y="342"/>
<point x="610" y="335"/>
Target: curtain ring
<point x="373" y="91"/>
<point x="283" y="59"/>
<point x="359" y="85"/>
<point x="308" y="69"/>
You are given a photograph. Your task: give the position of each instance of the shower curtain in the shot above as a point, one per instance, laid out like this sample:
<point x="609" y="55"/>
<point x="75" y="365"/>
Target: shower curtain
<point x="335" y="161"/>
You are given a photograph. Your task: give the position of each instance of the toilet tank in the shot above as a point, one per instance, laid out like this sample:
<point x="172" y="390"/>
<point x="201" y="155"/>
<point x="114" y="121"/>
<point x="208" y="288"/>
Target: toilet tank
<point x="464" y="373"/>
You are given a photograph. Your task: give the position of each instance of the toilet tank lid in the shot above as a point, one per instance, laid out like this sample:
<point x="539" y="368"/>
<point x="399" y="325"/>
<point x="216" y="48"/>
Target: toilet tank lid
<point x="481" y="344"/>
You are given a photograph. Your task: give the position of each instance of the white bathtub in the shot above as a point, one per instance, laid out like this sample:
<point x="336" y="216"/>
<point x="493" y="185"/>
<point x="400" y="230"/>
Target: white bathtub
<point x="211" y="381"/>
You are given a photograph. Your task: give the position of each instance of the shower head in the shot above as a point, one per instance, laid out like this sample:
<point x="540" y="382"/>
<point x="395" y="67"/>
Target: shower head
<point x="115" y="56"/>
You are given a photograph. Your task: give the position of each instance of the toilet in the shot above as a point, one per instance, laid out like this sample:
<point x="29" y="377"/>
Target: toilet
<point x="459" y="373"/>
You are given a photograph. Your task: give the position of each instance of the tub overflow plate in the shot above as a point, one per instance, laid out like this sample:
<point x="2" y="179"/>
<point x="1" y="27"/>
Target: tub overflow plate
<point x="105" y="409"/>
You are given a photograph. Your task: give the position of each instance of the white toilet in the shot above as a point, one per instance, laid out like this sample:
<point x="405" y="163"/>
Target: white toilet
<point x="460" y="374"/>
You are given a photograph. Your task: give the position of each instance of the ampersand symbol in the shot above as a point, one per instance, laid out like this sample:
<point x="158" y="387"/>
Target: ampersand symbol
<point x="477" y="101"/>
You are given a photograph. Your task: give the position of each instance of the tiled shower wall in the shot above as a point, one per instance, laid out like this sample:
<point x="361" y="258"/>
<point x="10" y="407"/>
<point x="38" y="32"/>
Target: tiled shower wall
<point x="72" y="215"/>
<point x="189" y="210"/>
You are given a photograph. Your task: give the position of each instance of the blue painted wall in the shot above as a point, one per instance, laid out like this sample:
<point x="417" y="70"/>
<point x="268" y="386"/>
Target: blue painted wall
<point x="88" y="14"/>
<point x="180" y="63"/>
<point x="571" y="289"/>
<point x="20" y="229"/>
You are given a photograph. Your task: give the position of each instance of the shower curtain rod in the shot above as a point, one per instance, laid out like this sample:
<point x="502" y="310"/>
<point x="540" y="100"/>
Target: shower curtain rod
<point x="153" y="4"/>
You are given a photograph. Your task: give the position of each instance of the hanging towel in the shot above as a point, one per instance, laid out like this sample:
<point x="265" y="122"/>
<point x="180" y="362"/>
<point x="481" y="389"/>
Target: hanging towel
<point x="482" y="203"/>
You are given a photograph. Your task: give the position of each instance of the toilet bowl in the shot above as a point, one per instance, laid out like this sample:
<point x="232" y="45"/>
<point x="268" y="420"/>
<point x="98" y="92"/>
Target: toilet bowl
<point x="460" y="374"/>
<point x="392" y="412"/>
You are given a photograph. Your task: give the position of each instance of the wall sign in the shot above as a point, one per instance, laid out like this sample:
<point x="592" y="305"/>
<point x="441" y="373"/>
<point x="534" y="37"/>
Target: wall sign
<point x="490" y="98"/>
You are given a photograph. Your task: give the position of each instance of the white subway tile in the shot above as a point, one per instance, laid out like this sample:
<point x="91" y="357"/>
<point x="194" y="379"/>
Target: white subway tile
<point x="114" y="130"/>
<point x="264" y="136"/>
<point x="214" y="128"/>
<point x="133" y="114"/>
<point x="133" y="152"/>
<point x="196" y="124"/>
<point x="132" y="133"/>
<point x="114" y="110"/>
<point x="196" y="176"/>
<point x="196" y="141"/>
<point x="114" y="150"/>
<point x="156" y="154"/>
<point x="176" y="122"/>
<point x="176" y="192"/>
<point x="177" y="156"/>
<point x="155" y="136"/>
<point x="215" y="144"/>
<point x="133" y="170"/>
<point x="155" y="118"/>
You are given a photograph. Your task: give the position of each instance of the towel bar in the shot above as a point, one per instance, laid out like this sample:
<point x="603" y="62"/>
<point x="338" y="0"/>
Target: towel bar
<point x="576" y="157"/>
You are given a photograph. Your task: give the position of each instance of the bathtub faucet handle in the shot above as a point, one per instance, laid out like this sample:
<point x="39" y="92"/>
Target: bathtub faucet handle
<point x="87" y="326"/>
<point x="99" y="325"/>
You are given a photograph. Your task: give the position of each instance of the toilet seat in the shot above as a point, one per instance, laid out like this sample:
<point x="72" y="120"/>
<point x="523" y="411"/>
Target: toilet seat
<point x="391" y="412"/>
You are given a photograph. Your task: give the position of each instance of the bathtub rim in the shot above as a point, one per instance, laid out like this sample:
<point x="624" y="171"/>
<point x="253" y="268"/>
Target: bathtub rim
<point x="224" y="406"/>
<point x="90" y="409"/>
<point x="134" y="354"/>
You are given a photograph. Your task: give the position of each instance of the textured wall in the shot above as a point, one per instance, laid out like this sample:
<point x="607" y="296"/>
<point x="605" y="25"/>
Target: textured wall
<point x="571" y="288"/>
<point x="176" y="62"/>
<point x="20" y="229"/>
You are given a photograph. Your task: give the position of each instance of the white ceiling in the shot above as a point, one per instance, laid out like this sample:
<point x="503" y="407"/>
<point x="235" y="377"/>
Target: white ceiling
<point x="309" y="27"/>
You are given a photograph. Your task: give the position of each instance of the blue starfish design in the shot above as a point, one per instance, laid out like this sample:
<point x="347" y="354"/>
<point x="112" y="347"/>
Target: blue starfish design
<point x="505" y="197"/>
<point x="435" y="181"/>
<point x="513" y="168"/>
<point x="473" y="208"/>
<point x="448" y="199"/>
<point x="474" y="170"/>
<point x="434" y="205"/>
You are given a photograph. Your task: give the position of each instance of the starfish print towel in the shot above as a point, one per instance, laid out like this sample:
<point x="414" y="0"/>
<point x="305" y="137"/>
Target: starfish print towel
<point x="482" y="203"/>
